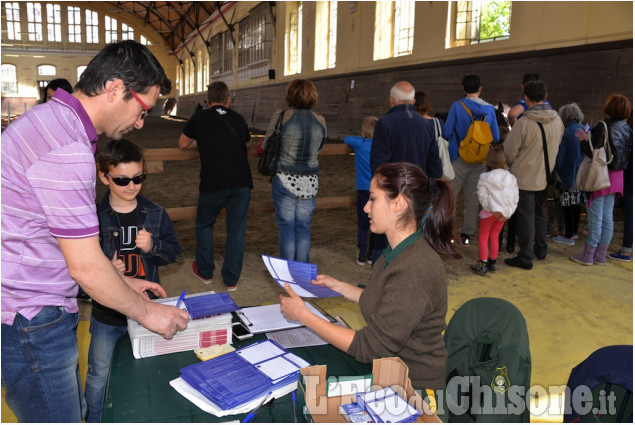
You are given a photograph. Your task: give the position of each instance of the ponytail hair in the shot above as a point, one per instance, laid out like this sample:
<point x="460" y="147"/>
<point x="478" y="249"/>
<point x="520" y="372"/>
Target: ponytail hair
<point x="439" y="226"/>
<point x="431" y="203"/>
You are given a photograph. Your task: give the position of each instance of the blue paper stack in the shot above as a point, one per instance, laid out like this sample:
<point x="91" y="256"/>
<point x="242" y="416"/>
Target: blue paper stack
<point x="209" y="305"/>
<point x="386" y="406"/>
<point x="244" y="375"/>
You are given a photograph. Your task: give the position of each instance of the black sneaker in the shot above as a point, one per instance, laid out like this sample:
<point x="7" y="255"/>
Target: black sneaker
<point x="361" y="259"/>
<point x="517" y="262"/>
<point x="465" y="239"/>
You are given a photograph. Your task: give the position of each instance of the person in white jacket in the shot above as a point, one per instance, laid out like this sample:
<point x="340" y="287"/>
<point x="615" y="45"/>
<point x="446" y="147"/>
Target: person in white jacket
<point x="497" y="191"/>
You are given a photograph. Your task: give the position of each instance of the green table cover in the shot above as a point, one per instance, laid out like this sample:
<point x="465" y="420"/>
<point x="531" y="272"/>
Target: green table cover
<point x="139" y="390"/>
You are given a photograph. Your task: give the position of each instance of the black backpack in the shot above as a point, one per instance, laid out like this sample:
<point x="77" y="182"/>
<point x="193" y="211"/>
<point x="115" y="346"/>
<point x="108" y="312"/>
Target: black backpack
<point x="488" y="346"/>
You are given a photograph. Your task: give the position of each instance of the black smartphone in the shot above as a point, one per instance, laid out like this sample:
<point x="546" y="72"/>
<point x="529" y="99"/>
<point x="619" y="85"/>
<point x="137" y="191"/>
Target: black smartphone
<point x="241" y="331"/>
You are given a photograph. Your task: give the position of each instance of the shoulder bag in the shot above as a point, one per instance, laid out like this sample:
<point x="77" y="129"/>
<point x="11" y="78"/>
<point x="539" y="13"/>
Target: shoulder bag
<point x="554" y="184"/>
<point x="268" y="163"/>
<point x="593" y="174"/>
<point x="444" y="154"/>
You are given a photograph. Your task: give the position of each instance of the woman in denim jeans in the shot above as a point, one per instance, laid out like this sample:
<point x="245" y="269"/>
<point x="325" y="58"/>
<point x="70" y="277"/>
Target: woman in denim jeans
<point x="295" y="184"/>
<point x="600" y="204"/>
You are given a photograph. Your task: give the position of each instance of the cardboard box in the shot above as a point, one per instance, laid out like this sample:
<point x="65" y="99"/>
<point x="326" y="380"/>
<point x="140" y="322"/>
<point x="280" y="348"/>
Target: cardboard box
<point x="387" y="372"/>
<point x="200" y="333"/>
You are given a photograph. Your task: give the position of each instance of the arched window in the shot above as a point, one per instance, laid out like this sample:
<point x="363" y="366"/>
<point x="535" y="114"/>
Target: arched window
<point x="178" y="79"/>
<point x="190" y="75"/>
<point x="199" y="70"/>
<point x="9" y="79"/>
<point x="46" y="70"/>
<point x="205" y="80"/>
<point x="186" y="77"/>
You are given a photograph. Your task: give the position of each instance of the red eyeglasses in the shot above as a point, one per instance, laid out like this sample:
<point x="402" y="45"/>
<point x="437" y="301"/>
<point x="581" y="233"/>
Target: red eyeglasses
<point x="143" y="105"/>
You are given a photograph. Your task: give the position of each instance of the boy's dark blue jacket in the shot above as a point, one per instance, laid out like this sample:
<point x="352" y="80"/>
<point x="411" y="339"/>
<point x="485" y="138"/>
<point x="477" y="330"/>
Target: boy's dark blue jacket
<point x="165" y="245"/>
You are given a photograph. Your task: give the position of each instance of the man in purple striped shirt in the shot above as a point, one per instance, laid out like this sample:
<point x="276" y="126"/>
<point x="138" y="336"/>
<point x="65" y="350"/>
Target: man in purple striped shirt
<point x="50" y="232"/>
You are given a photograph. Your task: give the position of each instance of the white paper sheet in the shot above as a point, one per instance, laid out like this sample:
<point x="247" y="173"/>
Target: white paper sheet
<point x="257" y="353"/>
<point x="298" y="337"/>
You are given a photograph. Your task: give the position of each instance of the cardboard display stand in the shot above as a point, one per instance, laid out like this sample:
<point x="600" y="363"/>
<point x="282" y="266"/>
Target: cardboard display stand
<point x="387" y="372"/>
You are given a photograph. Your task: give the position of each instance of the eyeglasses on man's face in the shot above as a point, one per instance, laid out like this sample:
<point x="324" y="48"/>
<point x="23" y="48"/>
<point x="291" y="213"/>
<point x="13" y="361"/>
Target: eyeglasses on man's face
<point x="125" y="181"/>
<point x="145" y="107"/>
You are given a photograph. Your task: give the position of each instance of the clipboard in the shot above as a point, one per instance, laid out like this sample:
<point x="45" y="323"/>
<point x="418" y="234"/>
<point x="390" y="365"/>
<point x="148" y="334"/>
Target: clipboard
<point x="268" y="318"/>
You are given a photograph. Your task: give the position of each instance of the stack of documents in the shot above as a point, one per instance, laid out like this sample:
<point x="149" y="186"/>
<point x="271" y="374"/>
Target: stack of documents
<point x="298" y="275"/>
<point x="200" y="333"/>
<point x="204" y="305"/>
<point x="386" y="406"/>
<point x="239" y="381"/>
<point x="352" y="412"/>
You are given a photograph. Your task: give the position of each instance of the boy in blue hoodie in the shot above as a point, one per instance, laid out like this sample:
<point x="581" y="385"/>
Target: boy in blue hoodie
<point x="361" y="146"/>
<point x="467" y="174"/>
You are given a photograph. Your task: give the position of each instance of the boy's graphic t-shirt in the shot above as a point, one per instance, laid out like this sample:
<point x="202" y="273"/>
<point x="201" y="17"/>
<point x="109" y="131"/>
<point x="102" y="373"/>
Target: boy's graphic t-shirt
<point x="131" y="257"/>
<point x="128" y="251"/>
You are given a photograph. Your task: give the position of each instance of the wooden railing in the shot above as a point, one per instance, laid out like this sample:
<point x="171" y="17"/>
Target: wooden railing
<point x="156" y="157"/>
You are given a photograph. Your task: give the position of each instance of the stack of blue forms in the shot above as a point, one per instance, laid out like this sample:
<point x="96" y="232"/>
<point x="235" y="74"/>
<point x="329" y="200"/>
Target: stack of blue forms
<point x="386" y="406"/>
<point x="244" y="375"/>
<point x="209" y="305"/>
<point x="298" y="275"/>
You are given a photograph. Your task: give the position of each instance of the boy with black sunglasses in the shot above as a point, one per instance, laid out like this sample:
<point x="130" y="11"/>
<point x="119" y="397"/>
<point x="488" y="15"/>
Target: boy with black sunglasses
<point x="138" y="236"/>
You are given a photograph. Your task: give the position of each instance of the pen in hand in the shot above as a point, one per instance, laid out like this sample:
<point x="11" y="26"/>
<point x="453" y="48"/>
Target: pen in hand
<point x="181" y="298"/>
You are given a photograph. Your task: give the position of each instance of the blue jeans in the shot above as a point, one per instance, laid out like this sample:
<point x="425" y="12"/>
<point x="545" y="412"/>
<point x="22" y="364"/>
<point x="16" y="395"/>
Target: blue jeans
<point x="102" y="343"/>
<point x="293" y="216"/>
<point x="236" y="204"/>
<point x="600" y="220"/>
<point x="40" y="367"/>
